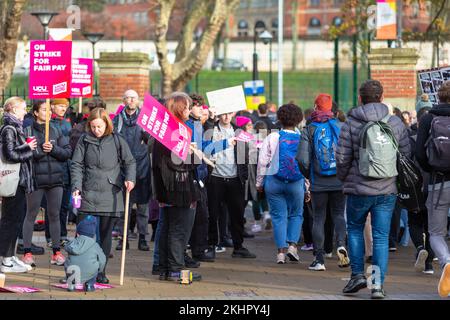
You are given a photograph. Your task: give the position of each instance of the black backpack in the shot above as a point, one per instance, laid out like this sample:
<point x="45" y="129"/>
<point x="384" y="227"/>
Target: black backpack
<point x="438" y="144"/>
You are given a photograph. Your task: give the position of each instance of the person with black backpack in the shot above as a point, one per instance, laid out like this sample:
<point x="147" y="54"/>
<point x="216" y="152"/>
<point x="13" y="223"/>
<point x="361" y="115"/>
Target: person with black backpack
<point x="279" y="176"/>
<point x="316" y="156"/>
<point x="433" y="155"/>
<point x="366" y="160"/>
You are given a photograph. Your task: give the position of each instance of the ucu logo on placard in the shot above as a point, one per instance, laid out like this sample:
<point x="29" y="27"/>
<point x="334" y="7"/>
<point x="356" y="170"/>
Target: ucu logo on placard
<point x="40" y="89"/>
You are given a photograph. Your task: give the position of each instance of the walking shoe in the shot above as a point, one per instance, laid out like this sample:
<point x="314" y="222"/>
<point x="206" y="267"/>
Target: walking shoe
<point x="28" y="259"/>
<point x="58" y="259"/>
<point x="132" y="236"/>
<point x="220" y="249"/>
<point x="444" y="282"/>
<point x="307" y="247"/>
<point x="281" y="258"/>
<point x="21" y="263"/>
<point x="328" y="255"/>
<point x="421" y="258"/>
<point x="10" y="266"/>
<point x="317" y="266"/>
<point x="268" y="224"/>
<point x="120" y="246"/>
<point x="248" y="235"/>
<point x="89" y="287"/>
<point x="207" y="256"/>
<point x="49" y="244"/>
<point x="162" y="276"/>
<point x="115" y="235"/>
<point x="256" y="227"/>
<point x="143" y="246"/>
<point x="155" y="270"/>
<point x="226" y="243"/>
<point x="292" y="254"/>
<point x="428" y="268"/>
<point x="175" y="276"/>
<point x="242" y="253"/>
<point x="355" y="284"/>
<point x="342" y="254"/>
<point x="35" y="250"/>
<point x="101" y="278"/>
<point x="190" y="263"/>
<point x="392" y="249"/>
<point x="378" y="293"/>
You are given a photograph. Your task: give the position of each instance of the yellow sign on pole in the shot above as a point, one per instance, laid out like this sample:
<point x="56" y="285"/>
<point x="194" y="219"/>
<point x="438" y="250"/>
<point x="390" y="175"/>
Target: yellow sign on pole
<point x="254" y="101"/>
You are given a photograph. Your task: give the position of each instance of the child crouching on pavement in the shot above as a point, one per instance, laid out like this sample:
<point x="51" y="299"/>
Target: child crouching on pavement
<point x="85" y="255"/>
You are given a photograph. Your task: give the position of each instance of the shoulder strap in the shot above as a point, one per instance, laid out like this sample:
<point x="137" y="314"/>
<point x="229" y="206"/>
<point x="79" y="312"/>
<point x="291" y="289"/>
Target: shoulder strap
<point x="118" y="146"/>
<point x="119" y="122"/>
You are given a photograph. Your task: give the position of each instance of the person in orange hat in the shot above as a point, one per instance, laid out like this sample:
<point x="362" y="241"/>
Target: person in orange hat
<point x="318" y="163"/>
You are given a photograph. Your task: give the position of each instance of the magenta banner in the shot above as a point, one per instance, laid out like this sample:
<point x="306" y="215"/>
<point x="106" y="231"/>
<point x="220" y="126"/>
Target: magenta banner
<point x="50" y="69"/>
<point x="82" y="78"/>
<point x="164" y="127"/>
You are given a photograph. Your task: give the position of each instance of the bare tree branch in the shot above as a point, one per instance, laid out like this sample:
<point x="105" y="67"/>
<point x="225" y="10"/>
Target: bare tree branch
<point x="441" y="8"/>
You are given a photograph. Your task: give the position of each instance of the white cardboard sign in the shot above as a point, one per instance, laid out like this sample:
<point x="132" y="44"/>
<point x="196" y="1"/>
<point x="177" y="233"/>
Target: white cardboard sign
<point x="227" y="100"/>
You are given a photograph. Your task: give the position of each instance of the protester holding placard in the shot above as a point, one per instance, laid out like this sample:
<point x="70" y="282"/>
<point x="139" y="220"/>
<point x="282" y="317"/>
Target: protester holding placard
<point x="49" y="161"/>
<point x="280" y="178"/>
<point x="98" y="161"/>
<point x="125" y="124"/>
<point x="15" y="149"/>
<point x="177" y="192"/>
<point x="227" y="185"/>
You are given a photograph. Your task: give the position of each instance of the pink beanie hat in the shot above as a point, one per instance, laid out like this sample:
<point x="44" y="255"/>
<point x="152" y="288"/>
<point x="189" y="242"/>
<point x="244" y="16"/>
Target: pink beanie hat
<point x="242" y="121"/>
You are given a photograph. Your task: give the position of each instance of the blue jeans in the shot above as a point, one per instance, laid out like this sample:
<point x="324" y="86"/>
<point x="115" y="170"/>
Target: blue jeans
<point x="157" y="236"/>
<point x="380" y="208"/>
<point x="286" y="209"/>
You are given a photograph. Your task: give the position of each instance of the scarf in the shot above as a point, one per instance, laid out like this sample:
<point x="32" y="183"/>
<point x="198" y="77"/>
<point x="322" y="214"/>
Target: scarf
<point x="321" y="116"/>
<point x="10" y="119"/>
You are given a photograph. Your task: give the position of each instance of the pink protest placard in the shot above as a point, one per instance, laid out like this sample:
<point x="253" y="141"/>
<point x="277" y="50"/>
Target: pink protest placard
<point x="245" y="136"/>
<point x="164" y="127"/>
<point x="19" y="289"/>
<point x="82" y="78"/>
<point x="80" y="287"/>
<point x="50" y="69"/>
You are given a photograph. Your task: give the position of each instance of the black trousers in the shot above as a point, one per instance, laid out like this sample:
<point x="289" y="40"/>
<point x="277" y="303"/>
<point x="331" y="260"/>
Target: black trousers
<point x="106" y="226"/>
<point x="418" y="227"/>
<point x="307" y="223"/>
<point x="395" y="225"/>
<point x="66" y="206"/>
<point x="231" y="193"/>
<point x="174" y="236"/>
<point x="199" y="235"/>
<point x="13" y="215"/>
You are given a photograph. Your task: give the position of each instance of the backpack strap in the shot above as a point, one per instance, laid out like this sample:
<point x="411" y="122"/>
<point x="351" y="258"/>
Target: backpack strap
<point x="118" y="147"/>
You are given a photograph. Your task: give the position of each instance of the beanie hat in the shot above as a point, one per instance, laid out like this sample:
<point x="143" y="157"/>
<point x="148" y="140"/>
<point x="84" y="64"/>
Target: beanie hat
<point x="424" y="97"/>
<point x="324" y="102"/>
<point x="87" y="227"/>
<point x="242" y="121"/>
<point x="63" y="101"/>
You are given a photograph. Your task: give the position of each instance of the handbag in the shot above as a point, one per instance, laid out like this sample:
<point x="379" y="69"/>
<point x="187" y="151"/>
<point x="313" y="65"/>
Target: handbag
<point x="9" y="175"/>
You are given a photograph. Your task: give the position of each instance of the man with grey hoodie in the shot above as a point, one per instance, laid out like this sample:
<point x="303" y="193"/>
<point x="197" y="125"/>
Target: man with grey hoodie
<point x="366" y="192"/>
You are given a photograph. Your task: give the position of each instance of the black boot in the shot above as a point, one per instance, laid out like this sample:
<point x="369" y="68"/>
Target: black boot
<point x="120" y="246"/>
<point x="101" y="278"/>
<point x="142" y="245"/>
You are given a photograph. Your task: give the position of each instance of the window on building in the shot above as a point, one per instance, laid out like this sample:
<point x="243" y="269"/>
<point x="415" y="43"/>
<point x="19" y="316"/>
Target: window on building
<point x="259" y="3"/>
<point x="314" y="3"/>
<point x="243" y="4"/>
<point x="242" y="28"/>
<point x="314" y="26"/>
<point x="274" y="25"/>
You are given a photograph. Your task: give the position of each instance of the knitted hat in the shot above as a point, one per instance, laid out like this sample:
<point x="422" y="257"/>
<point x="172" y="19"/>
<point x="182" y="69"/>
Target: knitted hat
<point x="242" y="121"/>
<point x="324" y="102"/>
<point x="63" y="101"/>
<point x="205" y="107"/>
<point x="87" y="227"/>
<point x="424" y="97"/>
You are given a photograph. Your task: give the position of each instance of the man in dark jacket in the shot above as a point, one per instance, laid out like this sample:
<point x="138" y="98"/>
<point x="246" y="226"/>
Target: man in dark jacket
<point x="227" y="185"/>
<point x="263" y="115"/>
<point x="365" y="194"/>
<point x="125" y="123"/>
<point x="438" y="202"/>
<point x="325" y="186"/>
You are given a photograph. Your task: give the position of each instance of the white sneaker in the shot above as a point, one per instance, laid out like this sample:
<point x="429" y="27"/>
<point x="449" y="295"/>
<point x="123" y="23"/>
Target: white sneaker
<point x="21" y="263"/>
<point x="281" y="258"/>
<point x="220" y="249"/>
<point x="10" y="266"/>
<point x="342" y="254"/>
<point x="256" y="228"/>
<point x="420" y="260"/>
<point x="328" y="255"/>
<point x="317" y="266"/>
<point x="293" y="254"/>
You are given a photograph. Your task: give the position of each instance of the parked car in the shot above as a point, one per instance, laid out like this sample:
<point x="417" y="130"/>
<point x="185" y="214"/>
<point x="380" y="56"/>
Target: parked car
<point x="230" y="64"/>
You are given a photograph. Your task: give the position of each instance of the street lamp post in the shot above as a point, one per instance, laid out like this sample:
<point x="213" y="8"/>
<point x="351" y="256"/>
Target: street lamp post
<point x="337" y="22"/>
<point x="44" y="18"/>
<point x="258" y="25"/>
<point x="93" y="38"/>
<point x="266" y="38"/>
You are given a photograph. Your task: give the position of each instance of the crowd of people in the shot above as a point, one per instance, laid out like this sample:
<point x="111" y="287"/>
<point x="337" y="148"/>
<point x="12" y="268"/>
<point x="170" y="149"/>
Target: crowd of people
<point x="321" y="177"/>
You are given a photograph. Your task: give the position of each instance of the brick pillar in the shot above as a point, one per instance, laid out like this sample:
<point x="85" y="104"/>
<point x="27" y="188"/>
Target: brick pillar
<point x="120" y="72"/>
<point x="395" y="68"/>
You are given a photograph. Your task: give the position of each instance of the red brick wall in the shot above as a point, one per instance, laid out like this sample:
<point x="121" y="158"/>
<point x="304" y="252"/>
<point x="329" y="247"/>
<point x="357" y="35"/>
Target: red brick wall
<point x="397" y="83"/>
<point x="112" y="86"/>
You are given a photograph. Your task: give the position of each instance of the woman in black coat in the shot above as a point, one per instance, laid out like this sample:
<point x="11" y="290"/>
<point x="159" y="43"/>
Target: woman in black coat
<point x="15" y="149"/>
<point x="177" y="194"/>
<point x="48" y="166"/>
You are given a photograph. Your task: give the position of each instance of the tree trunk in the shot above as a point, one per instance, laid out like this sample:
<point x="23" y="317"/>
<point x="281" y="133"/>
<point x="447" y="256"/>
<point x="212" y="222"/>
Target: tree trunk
<point x="189" y="61"/>
<point x="10" y="17"/>
<point x="226" y="40"/>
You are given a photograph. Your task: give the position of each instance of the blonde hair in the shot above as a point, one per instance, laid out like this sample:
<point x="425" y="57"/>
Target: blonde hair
<point x="177" y="102"/>
<point x="12" y="102"/>
<point x="100" y="113"/>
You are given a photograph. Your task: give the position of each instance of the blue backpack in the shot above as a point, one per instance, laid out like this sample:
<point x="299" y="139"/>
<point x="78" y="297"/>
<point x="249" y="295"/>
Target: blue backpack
<point x="288" y="168"/>
<point x="325" y="141"/>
